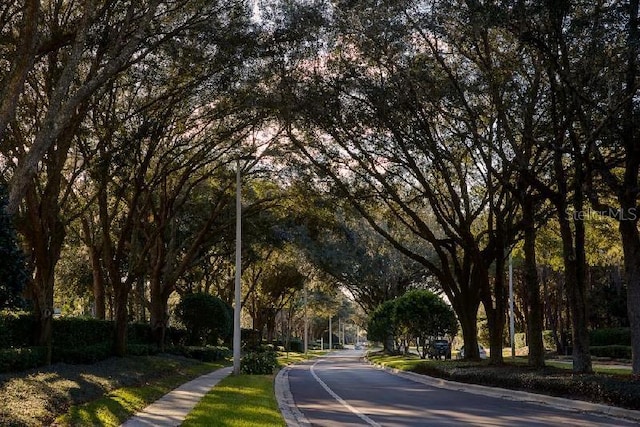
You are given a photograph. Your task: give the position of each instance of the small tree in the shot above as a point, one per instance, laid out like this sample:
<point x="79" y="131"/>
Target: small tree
<point x="207" y="318"/>
<point x="424" y="316"/>
<point x="13" y="274"/>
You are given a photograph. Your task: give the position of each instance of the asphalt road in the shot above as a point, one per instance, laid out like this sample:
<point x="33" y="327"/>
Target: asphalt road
<point x="341" y="390"/>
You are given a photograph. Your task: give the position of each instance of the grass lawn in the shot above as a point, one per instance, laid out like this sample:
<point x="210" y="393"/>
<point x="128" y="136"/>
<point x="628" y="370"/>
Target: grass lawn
<point x="410" y="361"/>
<point x="238" y="401"/>
<point x="608" y="384"/>
<point x="120" y="404"/>
<point x="81" y="395"/>
<point x="291" y="357"/>
<point x="244" y="400"/>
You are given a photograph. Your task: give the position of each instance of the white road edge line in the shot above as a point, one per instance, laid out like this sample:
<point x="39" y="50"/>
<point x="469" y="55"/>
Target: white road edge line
<point x="341" y="400"/>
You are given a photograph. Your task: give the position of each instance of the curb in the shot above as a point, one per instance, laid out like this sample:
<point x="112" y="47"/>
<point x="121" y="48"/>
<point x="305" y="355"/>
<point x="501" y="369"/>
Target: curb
<point x="292" y="415"/>
<point x="516" y="395"/>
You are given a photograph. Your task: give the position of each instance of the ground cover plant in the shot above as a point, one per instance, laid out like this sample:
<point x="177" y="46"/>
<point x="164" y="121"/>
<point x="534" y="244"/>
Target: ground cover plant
<point x="123" y="385"/>
<point x="606" y="386"/>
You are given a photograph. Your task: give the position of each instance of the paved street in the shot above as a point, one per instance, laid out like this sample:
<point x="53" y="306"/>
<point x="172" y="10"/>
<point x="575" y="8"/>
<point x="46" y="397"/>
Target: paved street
<point x="341" y="390"/>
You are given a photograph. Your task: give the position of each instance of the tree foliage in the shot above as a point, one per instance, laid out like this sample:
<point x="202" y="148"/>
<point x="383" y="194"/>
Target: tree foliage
<point x="13" y="273"/>
<point x="207" y="318"/>
<point x="423" y="317"/>
<point x="416" y="317"/>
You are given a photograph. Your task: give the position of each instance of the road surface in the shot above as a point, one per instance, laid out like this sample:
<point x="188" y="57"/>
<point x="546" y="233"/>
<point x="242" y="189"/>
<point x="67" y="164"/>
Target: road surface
<point x="341" y="390"/>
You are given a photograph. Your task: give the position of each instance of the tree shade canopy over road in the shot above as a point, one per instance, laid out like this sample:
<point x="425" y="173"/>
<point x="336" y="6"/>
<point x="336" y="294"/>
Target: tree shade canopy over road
<point x="396" y="145"/>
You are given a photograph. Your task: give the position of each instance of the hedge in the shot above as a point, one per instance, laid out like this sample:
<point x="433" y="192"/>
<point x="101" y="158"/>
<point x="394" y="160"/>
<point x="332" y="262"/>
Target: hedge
<point x="19" y="359"/>
<point x="205" y="354"/>
<point x="612" y="336"/>
<point x="16" y="329"/>
<point x="612" y="351"/>
<point x="85" y="340"/>
<point x="259" y="363"/>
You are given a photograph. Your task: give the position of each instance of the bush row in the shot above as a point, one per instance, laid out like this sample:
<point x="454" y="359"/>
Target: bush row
<point x="74" y="341"/>
<point x="19" y="359"/>
<point x="597" y="337"/>
<point x="611" y="336"/>
<point x="204" y="354"/>
<point x="259" y="363"/>
<point x="609" y="390"/>
<point x="612" y="351"/>
<point x="17" y="330"/>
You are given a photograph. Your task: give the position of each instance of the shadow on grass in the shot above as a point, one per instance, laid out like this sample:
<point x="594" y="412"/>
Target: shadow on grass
<point x="114" y="408"/>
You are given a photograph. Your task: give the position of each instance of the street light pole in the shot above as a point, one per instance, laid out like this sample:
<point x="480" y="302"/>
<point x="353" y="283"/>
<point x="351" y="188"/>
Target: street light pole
<point x="512" y="321"/>
<point x="306" y="321"/>
<point x="238" y="294"/>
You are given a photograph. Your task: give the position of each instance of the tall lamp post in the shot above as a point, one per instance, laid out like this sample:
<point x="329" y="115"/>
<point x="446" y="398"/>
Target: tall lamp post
<point x="237" y="290"/>
<point x="512" y="320"/>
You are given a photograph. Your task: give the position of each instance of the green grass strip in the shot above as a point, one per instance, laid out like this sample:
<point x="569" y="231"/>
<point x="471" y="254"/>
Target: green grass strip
<point x="238" y="401"/>
<point x="120" y="404"/>
<point x="410" y="361"/>
<point x="294" y="357"/>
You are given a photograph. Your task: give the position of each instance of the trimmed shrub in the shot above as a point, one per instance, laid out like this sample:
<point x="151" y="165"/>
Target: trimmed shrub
<point x="206" y="317"/>
<point x="19" y="359"/>
<point x="204" y="354"/>
<point x="296" y="345"/>
<point x="16" y="329"/>
<point x="612" y="351"/>
<point x="175" y="336"/>
<point x="250" y="338"/>
<point x="82" y="355"/>
<point x="520" y="339"/>
<point x="142" y="349"/>
<point x="81" y="332"/>
<point x="612" y="336"/>
<point x="259" y="363"/>
<point x="139" y="333"/>
<point x="548" y="341"/>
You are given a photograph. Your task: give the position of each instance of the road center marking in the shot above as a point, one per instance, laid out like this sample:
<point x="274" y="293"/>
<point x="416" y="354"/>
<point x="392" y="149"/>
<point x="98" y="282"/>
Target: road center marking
<point x="341" y="400"/>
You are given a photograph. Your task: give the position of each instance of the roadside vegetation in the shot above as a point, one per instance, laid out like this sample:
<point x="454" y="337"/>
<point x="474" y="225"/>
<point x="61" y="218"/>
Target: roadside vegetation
<point x="104" y="393"/>
<point x="606" y="385"/>
<point x="238" y="401"/>
<point x="109" y="392"/>
<point x="455" y="142"/>
<point x="245" y="400"/>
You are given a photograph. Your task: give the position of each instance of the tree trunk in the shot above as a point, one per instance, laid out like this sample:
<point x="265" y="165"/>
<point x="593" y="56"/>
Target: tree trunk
<point x="43" y="310"/>
<point x="495" y="308"/>
<point x="534" y="302"/>
<point x="158" y="313"/>
<point x="468" y="317"/>
<point x="573" y="255"/>
<point x="121" y="297"/>
<point x="141" y="315"/>
<point x="45" y="235"/>
<point x="628" y="194"/>
<point x="631" y="247"/>
<point x="98" y="284"/>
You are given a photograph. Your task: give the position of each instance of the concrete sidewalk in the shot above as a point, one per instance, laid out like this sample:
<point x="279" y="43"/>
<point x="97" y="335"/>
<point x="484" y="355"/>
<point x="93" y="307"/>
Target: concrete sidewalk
<point x="171" y="409"/>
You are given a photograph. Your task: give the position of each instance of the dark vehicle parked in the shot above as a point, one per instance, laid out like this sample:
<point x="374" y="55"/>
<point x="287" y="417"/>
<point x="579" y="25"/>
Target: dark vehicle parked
<point x="439" y="348"/>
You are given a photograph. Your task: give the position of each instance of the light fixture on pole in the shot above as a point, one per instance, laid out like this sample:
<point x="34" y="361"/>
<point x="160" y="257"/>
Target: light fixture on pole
<point x="237" y="290"/>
